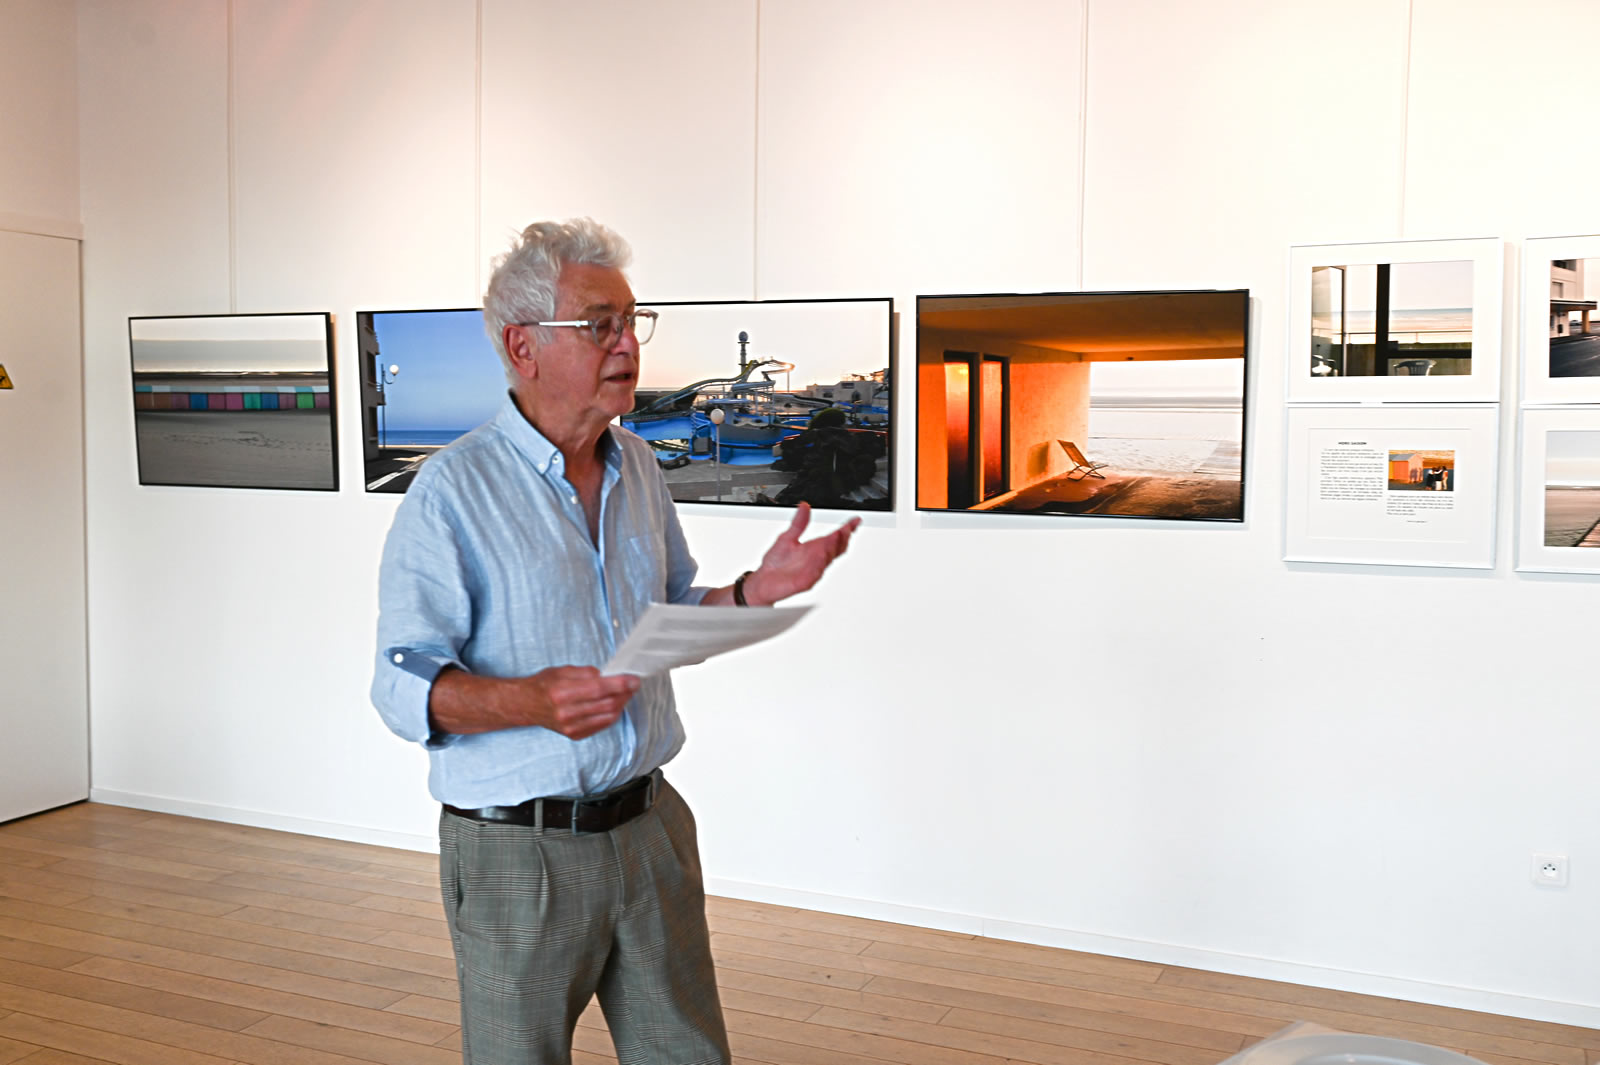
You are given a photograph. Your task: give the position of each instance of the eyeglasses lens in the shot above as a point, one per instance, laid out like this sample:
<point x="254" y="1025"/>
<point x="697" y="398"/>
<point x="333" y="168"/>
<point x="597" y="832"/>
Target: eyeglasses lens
<point x="609" y="329"/>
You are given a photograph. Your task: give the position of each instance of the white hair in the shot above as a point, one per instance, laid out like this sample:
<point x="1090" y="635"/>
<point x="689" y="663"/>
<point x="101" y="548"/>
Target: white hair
<point x="522" y="287"/>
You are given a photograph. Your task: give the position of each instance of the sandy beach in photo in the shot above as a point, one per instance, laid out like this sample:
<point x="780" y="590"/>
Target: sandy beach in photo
<point x="1570" y="514"/>
<point x="1165" y="439"/>
<point x="233" y="449"/>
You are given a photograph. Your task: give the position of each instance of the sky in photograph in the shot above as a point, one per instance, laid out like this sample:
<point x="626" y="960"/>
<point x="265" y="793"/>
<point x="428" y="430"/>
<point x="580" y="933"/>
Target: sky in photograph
<point x="1208" y="378"/>
<point x="1572" y="456"/>
<point x="826" y="341"/>
<point x="1412" y="286"/>
<point x="450" y="376"/>
<point x="254" y="343"/>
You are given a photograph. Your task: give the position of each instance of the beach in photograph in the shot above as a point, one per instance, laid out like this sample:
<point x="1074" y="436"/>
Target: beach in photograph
<point x="1571" y="516"/>
<point x="1168" y="435"/>
<point x="236" y="449"/>
<point x="1165" y="457"/>
<point x="1172" y="417"/>
<point x="1572" y="488"/>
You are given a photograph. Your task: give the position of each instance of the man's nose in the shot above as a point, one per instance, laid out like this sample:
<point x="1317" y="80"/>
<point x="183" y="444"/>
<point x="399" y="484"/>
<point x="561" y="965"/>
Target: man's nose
<point x="628" y="342"/>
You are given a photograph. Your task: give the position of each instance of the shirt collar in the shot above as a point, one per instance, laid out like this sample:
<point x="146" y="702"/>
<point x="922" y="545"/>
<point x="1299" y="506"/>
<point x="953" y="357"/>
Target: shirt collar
<point x="536" y="447"/>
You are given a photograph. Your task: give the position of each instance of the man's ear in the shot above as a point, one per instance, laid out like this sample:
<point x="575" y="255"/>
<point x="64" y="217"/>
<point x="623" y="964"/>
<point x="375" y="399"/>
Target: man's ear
<point x="521" y="349"/>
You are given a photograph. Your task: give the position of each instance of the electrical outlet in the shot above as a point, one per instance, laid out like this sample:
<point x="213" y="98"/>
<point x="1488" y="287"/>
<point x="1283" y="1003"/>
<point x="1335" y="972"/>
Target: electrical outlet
<point x="1549" y="870"/>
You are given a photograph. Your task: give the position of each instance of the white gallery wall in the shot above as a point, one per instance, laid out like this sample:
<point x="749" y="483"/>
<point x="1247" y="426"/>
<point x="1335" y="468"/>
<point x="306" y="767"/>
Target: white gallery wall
<point x="44" y="756"/>
<point x="1151" y="739"/>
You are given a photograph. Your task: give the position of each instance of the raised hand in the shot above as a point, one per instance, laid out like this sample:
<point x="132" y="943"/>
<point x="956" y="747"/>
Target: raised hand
<point x="790" y="567"/>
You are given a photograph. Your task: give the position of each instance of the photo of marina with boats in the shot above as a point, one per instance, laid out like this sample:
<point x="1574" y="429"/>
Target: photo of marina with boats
<point x="770" y="403"/>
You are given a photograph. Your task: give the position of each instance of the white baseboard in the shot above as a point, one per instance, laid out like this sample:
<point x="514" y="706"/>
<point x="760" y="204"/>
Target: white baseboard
<point x="256" y="819"/>
<point x="1496" y="1002"/>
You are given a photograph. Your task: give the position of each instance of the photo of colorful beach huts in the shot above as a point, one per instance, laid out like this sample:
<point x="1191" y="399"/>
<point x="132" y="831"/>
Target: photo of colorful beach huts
<point x="1422" y="471"/>
<point x="1574" y="326"/>
<point x="1572" y="488"/>
<point x="427" y="377"/>
<point x="235" y="401"/>
<point x="771" y="403"/>
<point x="1109" y="404"/>
<point x="1391" y="319"/>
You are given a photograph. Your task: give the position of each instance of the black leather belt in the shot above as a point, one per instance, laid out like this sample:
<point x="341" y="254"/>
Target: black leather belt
<point x="599" y="813"/>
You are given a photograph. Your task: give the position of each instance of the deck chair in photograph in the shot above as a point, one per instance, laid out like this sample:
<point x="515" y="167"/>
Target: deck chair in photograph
<point x="1081" y="466"/>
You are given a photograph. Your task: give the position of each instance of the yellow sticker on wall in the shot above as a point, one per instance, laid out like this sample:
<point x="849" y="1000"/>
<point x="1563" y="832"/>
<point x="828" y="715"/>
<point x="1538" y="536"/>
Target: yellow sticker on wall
<point x="5" y="382"/>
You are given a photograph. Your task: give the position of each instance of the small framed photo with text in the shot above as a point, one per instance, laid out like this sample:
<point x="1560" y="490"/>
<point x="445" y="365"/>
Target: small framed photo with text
<point x="1391" y="486"/>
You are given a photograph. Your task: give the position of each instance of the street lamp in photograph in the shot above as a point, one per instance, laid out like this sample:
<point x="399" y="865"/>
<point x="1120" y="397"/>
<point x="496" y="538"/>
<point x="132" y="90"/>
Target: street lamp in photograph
<point x="386" y="377"/>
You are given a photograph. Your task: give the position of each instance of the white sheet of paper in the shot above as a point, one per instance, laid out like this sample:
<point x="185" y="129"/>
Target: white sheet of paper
<point x="672" y="635"/>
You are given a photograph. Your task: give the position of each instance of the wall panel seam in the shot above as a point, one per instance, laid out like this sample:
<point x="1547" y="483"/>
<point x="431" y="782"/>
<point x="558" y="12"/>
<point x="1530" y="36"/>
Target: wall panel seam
<point x="1405" y="116"/>
<point x="233" y="161"/>
<point x="755" y="166"/>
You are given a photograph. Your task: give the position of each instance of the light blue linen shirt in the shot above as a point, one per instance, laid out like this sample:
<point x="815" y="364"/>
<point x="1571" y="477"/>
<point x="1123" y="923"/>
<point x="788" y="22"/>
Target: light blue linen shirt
<point x="489" y="567"/>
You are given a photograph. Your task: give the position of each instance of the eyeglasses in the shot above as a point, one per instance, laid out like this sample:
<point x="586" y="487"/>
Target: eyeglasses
<point x="608" y="329"/>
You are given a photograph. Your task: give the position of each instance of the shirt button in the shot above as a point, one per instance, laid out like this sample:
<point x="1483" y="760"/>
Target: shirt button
<point x="398" y="658"/>
<point x="616" y="624"/>
<point x="574" y="499"/>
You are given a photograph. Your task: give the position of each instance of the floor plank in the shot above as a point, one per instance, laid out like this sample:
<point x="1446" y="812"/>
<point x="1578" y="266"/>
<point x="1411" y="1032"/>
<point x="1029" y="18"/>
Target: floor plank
<point x="11" y="1050"/>
<point x="94" y="1043"/>
<point x="390" y="1022"/>
<point x="136" y="938"/>
<point x="347" y="1042"/>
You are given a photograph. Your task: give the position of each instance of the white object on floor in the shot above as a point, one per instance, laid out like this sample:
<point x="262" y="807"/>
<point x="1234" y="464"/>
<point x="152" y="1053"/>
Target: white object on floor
<point x="1345" y="1048"/>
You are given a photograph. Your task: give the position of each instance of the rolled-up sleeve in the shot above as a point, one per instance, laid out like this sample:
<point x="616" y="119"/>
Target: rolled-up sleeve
<point x="424" y="618"/>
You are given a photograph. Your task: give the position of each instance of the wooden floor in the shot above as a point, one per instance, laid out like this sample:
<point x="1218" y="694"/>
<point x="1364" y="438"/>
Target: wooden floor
<point x="147" y="939"/>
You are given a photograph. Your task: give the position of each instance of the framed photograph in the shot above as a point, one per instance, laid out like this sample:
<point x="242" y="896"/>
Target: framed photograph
<point x="1560" y="320"/>
<point x="1100" y="404"/>
<point x="1391" y="485"/>
<point x="235" y="401"/>
<point x="1395" y="322"/>
<point x="771" y="403"/>
<point x="1558" y="506"/>
<point x="427" y="377"/>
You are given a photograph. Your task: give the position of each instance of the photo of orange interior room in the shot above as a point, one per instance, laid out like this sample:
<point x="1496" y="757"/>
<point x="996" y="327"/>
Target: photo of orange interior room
<point x="1123" y="404"/>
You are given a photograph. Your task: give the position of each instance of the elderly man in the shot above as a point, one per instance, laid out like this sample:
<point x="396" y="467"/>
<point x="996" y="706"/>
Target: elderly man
<point x="518" y="560"/>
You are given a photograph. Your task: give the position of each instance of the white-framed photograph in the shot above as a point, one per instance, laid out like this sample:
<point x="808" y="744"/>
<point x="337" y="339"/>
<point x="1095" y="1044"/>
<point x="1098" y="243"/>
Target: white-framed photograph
<point x="1411" y="321"/>
<point x="1391" y="485"/>
<point x="1560" y="320"/>
<point x="1558" y="504"/>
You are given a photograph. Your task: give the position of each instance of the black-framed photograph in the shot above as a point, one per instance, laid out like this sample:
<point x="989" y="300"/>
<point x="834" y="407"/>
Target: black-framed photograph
<point x="235" y="401"/>
<point x="1100" y="404"/>
<point x="771" y="403"/>
<point x="427" y="378"/>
